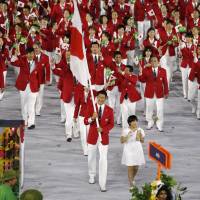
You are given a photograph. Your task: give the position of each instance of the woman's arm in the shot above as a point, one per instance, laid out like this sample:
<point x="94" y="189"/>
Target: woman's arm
<point x="123" y="139"/>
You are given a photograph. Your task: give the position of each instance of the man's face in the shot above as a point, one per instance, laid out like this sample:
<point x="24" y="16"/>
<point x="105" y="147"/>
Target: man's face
<point x="114" y="15"/>
<point x="121" y="31"/>
<point x="37" y="49"/>
<point x="95" y="48"/>
<point x="195" y="31"/>
<point x="169" y="26"/>
<point x="127" y="70"/>
<point x="118" y="58"/>
<point x="154" y="62"/>
<point x="30" y="55"/>
<point x="44" y="22"/>
<point x="188" y="39"/>
<point x="101" y="98"/>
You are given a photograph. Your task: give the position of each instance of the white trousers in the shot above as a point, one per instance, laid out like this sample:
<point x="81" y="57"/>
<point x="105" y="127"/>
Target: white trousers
<point x="198" y="104"/>
<point x="62" y="111"/>
<point x="28" y="100"/>
<point x="39" y="100"/>
<point x="185" y="74"/>
<point x="130" y="57"/>
<point x="193" y="88"/>
<point x="83" y="135"/>
<point x="143" y="27"/>
<point x="51" y="56"/>
<point x="4" y="77"/>
<point x="168" y="63"/>
<point x="142" y="90"/>
<point x="92" y="154"/>
<point x="150" y="104"/>
<point x="114" y="102"/>
<point x="69" y="110"/>
<point x="128" y="108"/>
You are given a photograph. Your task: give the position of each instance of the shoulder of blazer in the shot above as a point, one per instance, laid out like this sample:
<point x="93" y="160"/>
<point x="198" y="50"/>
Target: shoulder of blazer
<point x="108" y="108"/>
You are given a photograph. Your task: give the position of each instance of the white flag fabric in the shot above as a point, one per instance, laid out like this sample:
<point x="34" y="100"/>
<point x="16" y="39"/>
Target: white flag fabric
<point x="78" y="61"/>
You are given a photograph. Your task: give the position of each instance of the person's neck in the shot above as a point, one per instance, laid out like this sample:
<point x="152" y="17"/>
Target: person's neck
<point x="133" y="128"/>
<point x="155" y="66"/>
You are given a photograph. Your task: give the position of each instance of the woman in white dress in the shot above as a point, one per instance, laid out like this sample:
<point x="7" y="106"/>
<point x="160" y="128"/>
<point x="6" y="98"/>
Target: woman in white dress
<point x="133" y="155"/>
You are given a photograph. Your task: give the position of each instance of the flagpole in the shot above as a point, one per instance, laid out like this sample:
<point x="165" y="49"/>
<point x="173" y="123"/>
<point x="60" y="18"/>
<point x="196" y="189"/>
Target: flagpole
<point x="87" y="71"/>
<point x="91" y="91"/>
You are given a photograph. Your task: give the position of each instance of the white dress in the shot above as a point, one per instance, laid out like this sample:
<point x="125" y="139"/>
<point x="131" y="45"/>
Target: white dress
<point x="133" y="154"/>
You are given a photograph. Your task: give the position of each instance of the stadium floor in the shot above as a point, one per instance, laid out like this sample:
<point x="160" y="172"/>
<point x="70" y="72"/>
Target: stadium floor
<point x="59" y="169"/>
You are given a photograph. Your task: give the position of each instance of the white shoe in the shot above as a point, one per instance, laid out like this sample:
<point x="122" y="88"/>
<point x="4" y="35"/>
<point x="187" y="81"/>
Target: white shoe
<point x="198" y="114"/>
<point x="194" y="109"/>
<point x="103" y="189"/>
<point x="62" y="120"/>
<point x="91" y="180"/>
<point x="150" y="125"/>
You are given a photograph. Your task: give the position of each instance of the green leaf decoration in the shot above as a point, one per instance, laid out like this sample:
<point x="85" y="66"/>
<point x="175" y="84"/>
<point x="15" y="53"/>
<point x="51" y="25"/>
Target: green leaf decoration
<point x="182" y="29"/>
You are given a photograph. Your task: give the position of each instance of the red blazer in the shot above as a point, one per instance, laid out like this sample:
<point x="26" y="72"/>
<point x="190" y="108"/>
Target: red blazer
<point x="128" y="86"/>
<point x="195" y="72"/>
<point x="154" y="46"/>
<point x="25" y="77"/>
<point x="113" y="25"/>
<point x="81" y="101"/>
<point x="126" y="44"/>
<point x="43" y="68"/>
<point x="31" y="40"/>
<point x="191" y="23"/>
<point x="187" y="56"/>
<point x="95" y="9"/>
<point x="106" y="123"/>
<point x="158" y="86"/>
<point x="67" y="86"/>
<point x="47" y="38"/>
<point x="164" y="38"/>
<point x="189" y="10"/>
<point x="1" y="76"/>
<point x="122" y="12"/>
<point x="4" y="55"/>
<point x="107" y="50"/>
<point x="96" y="71"/>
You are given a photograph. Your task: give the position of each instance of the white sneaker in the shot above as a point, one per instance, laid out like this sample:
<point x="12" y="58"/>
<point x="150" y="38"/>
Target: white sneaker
<point x="62" y="120"/>
<point x="150" y="125"/>
<point x="91" y="180"/>
<point x="194" y="109"/>
<point x="198" y="114"/>
<point x="103" y="189"/>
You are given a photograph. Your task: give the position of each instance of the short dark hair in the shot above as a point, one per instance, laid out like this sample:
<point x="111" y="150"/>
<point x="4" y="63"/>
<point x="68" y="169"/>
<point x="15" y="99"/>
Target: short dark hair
<point x="132" y="118"/>
<point x="94" y="43"/>
<point x="130" y="68"/>
<point x="169" y="21"/>
<point x="117" y="53"/>
<point x="189" y="35"/>
<point x="148" y="48"/>
<point x="120" y="26"/>
<point x="102" y="92"/>
<point x="29" y="50"/>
